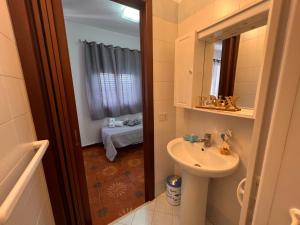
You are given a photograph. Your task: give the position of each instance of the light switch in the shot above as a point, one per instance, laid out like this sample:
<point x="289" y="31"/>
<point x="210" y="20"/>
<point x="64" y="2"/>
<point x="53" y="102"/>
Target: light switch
<point x="162" y="116"/>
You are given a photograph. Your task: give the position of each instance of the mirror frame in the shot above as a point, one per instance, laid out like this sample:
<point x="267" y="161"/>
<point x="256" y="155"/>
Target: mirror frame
<point x="250" y="18"/>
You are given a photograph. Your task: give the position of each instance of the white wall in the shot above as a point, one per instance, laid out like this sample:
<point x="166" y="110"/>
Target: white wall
<point x="284" y="193"/>
<point x="223" y="207"/>
<point x="279" y="184"/>
<point x="90" y="129"/>
<point x="287" y="193"/>
<point x="164" y="35"/>
<point x="16" y="132"/>
<point x="196" y="14"/>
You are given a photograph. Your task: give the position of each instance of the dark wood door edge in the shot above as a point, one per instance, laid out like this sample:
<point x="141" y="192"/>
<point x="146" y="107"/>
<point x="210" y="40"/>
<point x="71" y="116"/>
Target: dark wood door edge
<point x="27" y="29"/>
<point x="67" y="108"/>
<point x="147" y="85"/>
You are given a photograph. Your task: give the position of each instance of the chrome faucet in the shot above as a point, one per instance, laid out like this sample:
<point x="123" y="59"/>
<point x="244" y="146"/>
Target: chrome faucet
<point x="206" y="140"/>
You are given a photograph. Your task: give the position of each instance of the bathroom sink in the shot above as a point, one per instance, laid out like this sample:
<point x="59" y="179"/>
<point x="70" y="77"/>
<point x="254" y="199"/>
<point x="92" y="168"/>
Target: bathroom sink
<point x="198" y="165"/>
<point x="201" y="161"/>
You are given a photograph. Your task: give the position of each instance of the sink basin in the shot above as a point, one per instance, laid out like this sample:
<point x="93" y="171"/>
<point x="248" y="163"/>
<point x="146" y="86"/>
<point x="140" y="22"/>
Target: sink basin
<point x="198" y="165"/>
<point x="200" y="161"/>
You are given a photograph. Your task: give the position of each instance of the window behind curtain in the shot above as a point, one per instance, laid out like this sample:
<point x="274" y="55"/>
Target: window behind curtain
<point x="113" y="80"/>
<point x="216" y="68"/>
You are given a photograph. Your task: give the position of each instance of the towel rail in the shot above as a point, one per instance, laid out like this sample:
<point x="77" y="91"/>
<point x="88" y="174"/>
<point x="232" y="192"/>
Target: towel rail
<point x="240" y="191"/>
<point x="16" y="192"/>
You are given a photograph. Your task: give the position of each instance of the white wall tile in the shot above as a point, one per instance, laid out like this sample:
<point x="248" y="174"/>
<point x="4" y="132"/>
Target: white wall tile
<point x="163" y="51"/>
<point x="16" y="99"/>
<point x="163" y="91"/>
<point x="165" y="9"/>
<point x="20" y="215"/>
<point x="164" y="106"/>
<point x="5" y="28"/>
<point x="164" y="131"/>
<point x="245" y="3"/>
<point x="4" y="111"/>
<point x="208" y="11"/>
<point x="225" y="7"/>
<point x="8" y="143"/>
<point x="188" y="8"/>
<point x="12" y="176"/>
<point x="199" y="20"/>
<point x="163" y="71"/>
<point x="164" y="34"/>
<point x="45" y="217"/>
<point x="180" y="122"/>
<point x="164" y="30"/>
<point x="9" y="58"/>
<point x="23" y="129"/>
<point x="164" y="165"/>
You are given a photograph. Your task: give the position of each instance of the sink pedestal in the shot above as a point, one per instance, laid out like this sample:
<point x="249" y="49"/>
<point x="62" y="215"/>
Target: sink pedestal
<point x="197" y="168"/>
<point x="193" y="199"/>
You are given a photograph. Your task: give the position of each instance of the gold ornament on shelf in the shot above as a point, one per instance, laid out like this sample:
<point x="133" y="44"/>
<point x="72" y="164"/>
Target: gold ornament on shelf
<point x="228" y="103"/>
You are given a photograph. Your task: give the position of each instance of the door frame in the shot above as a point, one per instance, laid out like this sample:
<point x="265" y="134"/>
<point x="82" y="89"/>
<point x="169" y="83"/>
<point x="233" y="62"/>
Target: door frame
<point x="41" y="39"/>
<point x="286" y="93"/>
<point x="264" y="107"/>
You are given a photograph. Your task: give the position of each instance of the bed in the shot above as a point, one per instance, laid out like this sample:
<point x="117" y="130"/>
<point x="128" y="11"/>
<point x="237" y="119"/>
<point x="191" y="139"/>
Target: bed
<point x="118" y="137"/>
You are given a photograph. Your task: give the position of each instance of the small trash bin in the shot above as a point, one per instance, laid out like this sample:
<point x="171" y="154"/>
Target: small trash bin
<point x="174" y="189"/>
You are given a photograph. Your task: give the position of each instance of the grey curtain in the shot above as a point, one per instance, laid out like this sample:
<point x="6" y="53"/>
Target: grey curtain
<point x="113" y="80"/>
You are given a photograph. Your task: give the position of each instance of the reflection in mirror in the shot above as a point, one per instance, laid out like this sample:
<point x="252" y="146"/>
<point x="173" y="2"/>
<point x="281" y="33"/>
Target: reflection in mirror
<point x="216" y="67"/>
<point x="232" y="66"/>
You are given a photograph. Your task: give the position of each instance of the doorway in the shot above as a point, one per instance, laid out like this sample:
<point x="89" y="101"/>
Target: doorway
<point x="104" y="49"/>
<point x="48" y="77"/>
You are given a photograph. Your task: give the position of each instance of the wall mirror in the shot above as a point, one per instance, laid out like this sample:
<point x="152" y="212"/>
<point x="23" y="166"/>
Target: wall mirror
<point x="233" y="62"/>
<point x="232" y="66"/>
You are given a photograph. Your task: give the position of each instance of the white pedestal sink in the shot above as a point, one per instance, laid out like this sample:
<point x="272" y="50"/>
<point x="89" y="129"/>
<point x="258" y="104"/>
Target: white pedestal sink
<point x="198" y="165"/>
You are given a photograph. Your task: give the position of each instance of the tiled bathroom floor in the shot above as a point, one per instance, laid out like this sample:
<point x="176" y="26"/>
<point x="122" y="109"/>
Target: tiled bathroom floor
<point x="156" y="212"/>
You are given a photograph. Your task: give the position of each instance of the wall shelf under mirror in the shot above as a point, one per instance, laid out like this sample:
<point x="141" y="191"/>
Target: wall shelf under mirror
<point x="223" y="59"/>
<point x="244" y="113"/>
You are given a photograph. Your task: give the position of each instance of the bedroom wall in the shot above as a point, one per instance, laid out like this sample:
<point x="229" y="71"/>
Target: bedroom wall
<point x="90" y="129"/>
<point x="193" y="15"/>
<point x="164" y="35"/>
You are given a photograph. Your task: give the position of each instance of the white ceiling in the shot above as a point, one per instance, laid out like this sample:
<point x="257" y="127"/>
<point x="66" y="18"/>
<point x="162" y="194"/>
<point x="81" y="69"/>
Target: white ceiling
<point x="103" y="14"/>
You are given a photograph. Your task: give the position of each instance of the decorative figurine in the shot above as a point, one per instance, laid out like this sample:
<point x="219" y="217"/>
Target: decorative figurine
<point x="228" y="103"/>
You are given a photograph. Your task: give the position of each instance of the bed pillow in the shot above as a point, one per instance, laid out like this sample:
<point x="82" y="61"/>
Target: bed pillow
<point x="111" y="122"/>
<point x="119" y="123"/>
<point x="132" y="123"/>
